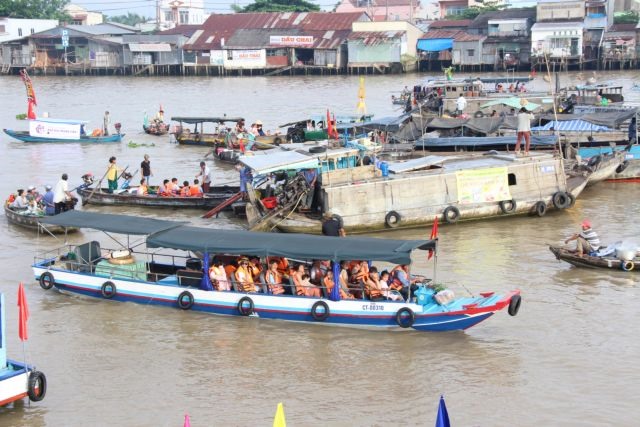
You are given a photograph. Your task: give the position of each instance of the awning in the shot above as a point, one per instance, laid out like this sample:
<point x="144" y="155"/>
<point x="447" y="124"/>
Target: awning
<point x="149" y="47"/>
<point x="298" y="246"/>
<point x="513" y="102"/>
<point x="193" y="120"/>
<point x="285" y="160"/>
<point x="572" y="126"/>
<point x="481" y="141"/>
<point x="390" y="124"/>
<point x="122" y="224"/>
<point x="419" y="163"/>
<point x="610" y="119"/>
<point x="434" y="45"/>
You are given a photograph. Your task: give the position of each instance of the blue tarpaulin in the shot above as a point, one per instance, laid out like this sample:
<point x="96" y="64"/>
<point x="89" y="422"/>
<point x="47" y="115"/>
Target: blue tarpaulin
<point x="572" y="126"/>
<point x="435" y="45"/>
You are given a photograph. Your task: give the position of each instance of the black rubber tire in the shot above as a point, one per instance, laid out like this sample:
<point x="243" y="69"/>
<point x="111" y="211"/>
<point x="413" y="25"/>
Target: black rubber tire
<point x="514" y="305"/>
<point x="451" y="210"/>
<point x="320" y="317"/>
<point x="46" y="280"/>
<point x="277" y="140"/>
<point x="392" y="219"/>
<point x="108" y="290"/>
<point x="572" y="200"/>
<point x="366" y="161"/>
<point x="507" y="206"/>
<point x="622" y="166"/>
<point x="185" y="305"/>
<point x="540" y="208"/>
<point x="317" y="149"/>
<point x="627" y="265"/>
<point x="37" y="386"/>
<point x="400" y="316"/>
<point x="242" y="309"/>
<point x="478" y="114"/>
<point x="561" y="200"/>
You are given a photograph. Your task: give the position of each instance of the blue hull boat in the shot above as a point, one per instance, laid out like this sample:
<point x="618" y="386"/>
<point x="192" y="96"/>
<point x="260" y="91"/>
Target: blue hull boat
<point x="25" y="137"/>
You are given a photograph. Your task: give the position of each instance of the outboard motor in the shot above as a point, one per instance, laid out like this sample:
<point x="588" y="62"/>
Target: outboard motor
<point x="118" y="126"/>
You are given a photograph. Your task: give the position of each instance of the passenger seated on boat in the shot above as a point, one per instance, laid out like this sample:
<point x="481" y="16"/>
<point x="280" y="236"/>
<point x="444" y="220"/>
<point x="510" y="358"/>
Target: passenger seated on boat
<point x="185" y="191"/>
<point x="20" y="201"/>
<point x="303" y="286"/>
<point x="195" y="190"/>
<point x="344" y="277"/>
<point x="317" y="271"/>
<point x="255" y="268"/>
<point x="274" y="279"/>
<point x="175" y="188"/>
<point x="230" y="269"/>
<point x="587" y="240"/>
<point x="244" y="277"/>
<point x="329" y="283"/>
<point x="372" y="286"/>
<point x="384" y="287"/>
<point x="162" y="188"/>
<point x="357" y="278"/>
<point x="143" y="190"/>
<point x="402" y="282"/>
<point x="218" y="276"/>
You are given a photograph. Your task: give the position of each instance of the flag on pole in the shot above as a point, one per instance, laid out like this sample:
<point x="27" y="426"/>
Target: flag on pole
<point x="23" y="314"/>
<point x="442" y="420"/>
<point x="187" y="421"/>
<point x="278" y="420"/>
<point x="434" y="235"/>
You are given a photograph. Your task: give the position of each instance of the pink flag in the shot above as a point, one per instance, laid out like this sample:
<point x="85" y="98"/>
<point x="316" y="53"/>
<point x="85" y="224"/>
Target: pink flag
<point x="23" y="313"/>
<point x="187" y="421"/>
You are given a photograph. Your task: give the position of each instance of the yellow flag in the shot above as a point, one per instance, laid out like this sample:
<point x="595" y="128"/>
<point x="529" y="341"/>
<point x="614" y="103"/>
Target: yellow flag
<point x="278" y="420"/>
<point x="361" y="108"/>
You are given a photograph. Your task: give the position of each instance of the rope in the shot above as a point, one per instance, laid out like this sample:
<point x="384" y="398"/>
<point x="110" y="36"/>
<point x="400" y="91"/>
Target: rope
<point x="290" y="212"/>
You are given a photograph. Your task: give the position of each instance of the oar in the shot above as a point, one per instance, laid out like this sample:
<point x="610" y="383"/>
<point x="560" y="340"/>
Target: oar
<point x="85" y="201"/>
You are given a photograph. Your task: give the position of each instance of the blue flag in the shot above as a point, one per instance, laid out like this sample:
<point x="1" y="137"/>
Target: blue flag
<point x="443" y="416"/>
<point x="335" y="292"/>
<point x="205" y="284"/>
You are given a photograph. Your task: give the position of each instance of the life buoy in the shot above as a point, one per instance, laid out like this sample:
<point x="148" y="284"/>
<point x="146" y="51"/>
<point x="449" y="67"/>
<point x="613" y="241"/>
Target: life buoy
<point x="507" y="206"/>
<point x="323" y="314"/>
<point x="108" y="290"/>
<point x="405" y="317"/>
<point x="185" y="300"/>
<point x="560" y="200"/>
<point x="478" y="114"/>
<point x="37" y="386"/>
<point x="243" y="308"/>
<point x="392" y="219"/>
<point x="514" y="305"/>
<point x="627" y="265"/>
<point x="540" y="208"/>
<point x="46" y="280"/>
<point x="451" y="214"/>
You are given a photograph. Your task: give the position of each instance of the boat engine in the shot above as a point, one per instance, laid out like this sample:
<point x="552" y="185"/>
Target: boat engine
<point x="118" y="126"/>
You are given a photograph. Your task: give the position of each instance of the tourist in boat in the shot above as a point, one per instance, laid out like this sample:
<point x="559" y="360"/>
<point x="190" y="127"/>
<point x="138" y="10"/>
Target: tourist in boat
<point x="255" y="268"/>
<point x="343" y="279"/>
<point x="524" y="130"/>
<point x="317" y="271"/>
<point x="175" y="187"/>
<point x="587" y="240"/>
<point x="512" y="88"/>
<point x="230" y="269"/>
<point x="205" y="173"/>
<point x="358" y="278"/>
<point x="401" y="280"/>
<point x="218" y="276"/>
<point x="372" y="288"/>
<point x="112" y="174"/>
<point x="61" y="194"/>
<point x="162" y="188"/>
<point x="310" y="289"/>
<point x="244" y="276"/>
<point x="254" y="129"/>
<point x="142" y="190"/>
<point x="310" y="176"/>
<point x="47" y="201"/>
<point x="274" y="278"/>
<point x="259" y="128"/>
<point x="283" y="265"/>
<point x="461" y="104"/>
<point x="185" y="191"/>
<point x="106" y="120"/>
<point x="195" y="190"/>
<point x="20" y="201"/>
<point x="145" y="167"/>
<point x="329" y="283"/>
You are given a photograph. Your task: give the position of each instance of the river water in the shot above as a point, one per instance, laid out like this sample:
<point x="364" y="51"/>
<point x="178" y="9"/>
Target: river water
<point x="569" y="358"/>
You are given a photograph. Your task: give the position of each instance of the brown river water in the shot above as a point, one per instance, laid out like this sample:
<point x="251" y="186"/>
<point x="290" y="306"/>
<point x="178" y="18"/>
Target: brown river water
<point x="568" y="359"/>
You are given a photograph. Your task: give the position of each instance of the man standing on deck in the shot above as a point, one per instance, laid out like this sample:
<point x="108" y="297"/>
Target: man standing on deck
<point x="524" y="130"/>
<point x="145" y="166"/>
<point x="105" y="123"/>
<point x="47" y="200"/>
<point x="205" y="173"/>
<point x="61" y="194"/>
<point x="461" y="104"/>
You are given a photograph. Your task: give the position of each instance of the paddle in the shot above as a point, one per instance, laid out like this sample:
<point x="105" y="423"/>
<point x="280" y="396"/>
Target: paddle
<point x="85" y="201"/>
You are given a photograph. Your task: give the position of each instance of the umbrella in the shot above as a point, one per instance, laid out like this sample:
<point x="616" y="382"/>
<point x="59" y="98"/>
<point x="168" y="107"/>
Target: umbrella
<point x="443" y="416"/>
<point x="513" y="102"/>
<point x="187" y="421"/>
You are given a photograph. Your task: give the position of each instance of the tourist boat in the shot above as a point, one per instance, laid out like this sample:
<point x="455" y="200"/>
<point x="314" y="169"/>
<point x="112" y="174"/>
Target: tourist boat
<point x="156" y="129"/>
<point x="412" y="193"/>
<point x="198" y="136"/>
<point x="32" y="222"/>
<point x="597" y="168"/>
<point x="215" y="196"/>
<point x="54" y="130"/>
<point x="629" y="169"/>
<point x="167" y="279"/>
<point x="17" y="379"/>
<point x="613" y="260"/>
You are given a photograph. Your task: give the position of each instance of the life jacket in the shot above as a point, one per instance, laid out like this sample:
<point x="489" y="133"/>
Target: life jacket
<point x="185" y="191"/>
<point x="12" y="198"/>
<point x="142" y="190"/>
<point x="274" y="282"/>
<point x="245" y="280"/>
<point x="195" y="191"/>
<point x="394" y="282"/>
<point x="216" y="274"/>
<point x="230" y="270"/>
<point x="361" y="275"/>
<point x="371" y="289"/>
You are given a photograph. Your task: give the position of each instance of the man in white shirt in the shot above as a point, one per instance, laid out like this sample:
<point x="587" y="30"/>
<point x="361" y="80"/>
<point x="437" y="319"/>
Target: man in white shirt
<point x="461" y="104"/>
<point x="61" y="194"/>
<point x="205" y="173"/>
<point x="524" y="130"/>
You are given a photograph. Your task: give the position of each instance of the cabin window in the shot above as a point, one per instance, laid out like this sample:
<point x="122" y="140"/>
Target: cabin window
<point x="512" y="179"/>
<point x="471" y="52"/>
<point x="32" y="31"/>
<point x="2" y="29"/>
<point x="19" y="32"/>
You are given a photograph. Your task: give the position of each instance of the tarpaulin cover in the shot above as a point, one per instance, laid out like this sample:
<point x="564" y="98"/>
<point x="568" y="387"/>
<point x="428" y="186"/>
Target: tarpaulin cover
<point x="194" y="120"/>
<point x="390" y="124"/>
<point x="513" y="102"/>
<point x="609" y="119"/>
<point x="299" y="246"/>
<point x="477" y="124"/>
<point x="123" y="224"/>
<point x="474" y="141"/>
<point x="434" y="45"/>
<point x="279" y="160"/>
<point x="572" y="126"/>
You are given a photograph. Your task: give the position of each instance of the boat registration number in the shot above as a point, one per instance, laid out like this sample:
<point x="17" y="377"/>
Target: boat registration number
<point x="372" y="307"/>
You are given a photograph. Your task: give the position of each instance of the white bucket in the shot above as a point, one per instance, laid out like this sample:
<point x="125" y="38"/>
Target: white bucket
<point x="625" y="254"/>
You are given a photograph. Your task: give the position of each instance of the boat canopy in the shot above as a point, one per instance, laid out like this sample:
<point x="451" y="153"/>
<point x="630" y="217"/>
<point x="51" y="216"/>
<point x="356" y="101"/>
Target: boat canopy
<point x="60" y="121"/>
<point x="480" y="141"/>
<point x="194" y="120"/>
<point x="390" y="124"/>
<point x="123" y="224"/>
<point x="611" y="119"/>
<point x="419" y="163"/>
<point x="296" y="246"/>
<point x="277" y="161"/>
<point x="513" y="102"/>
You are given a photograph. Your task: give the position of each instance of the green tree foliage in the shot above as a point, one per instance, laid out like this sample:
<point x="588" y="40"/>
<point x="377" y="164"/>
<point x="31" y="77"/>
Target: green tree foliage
<point x="474" y="11"/>
<point x="627" y="17"/>
<point x="34" y="9"/>
<point x="278" y="6"/>
<point x="131" y="19"/>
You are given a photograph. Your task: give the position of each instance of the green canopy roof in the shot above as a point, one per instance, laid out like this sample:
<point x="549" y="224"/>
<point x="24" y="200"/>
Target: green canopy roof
<point x="513" y="102"/>
<point x="123" y="224"/>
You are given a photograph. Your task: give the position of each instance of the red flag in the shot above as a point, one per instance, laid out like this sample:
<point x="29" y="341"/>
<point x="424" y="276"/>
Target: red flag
<point x="434" y="235"/>
<point x="24" y="313"/>
<point x="328" y="124"/>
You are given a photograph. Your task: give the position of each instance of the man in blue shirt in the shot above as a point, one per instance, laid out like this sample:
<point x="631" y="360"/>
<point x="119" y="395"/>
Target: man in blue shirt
<point x="47" y="200"/>
<point x="311" y="176"/>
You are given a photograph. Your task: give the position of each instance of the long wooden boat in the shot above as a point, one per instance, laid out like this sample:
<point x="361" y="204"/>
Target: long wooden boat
<point x="24" y="136"/>
<point x="215" y="196"/>
<point x="197" y="136"/>
<point x="17" y="379"/>
<point x="156" y="130"/>
<point x="629" y="169"/>
<point x="32" y="222"/>
<point x="172" y="281"/>
<point x="588" y="261"/>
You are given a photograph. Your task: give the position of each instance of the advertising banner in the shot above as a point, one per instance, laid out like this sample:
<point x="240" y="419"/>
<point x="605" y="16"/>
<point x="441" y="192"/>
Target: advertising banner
<point x="301" y="41"/>
<point x="54" y="130"/>
<point x="484" y="185"/>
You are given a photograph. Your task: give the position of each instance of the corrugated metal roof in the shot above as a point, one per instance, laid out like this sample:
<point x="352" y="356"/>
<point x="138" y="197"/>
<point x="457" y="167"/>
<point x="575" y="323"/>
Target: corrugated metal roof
<point x="375" y="37"/>
<point x="482" y="20"/>
<point x="622" y="27"/>
<point x="100" y="29"/>
<point x="384" y="3"/>
<point x="440" y="34"/>
<point x="466" y="37"/>
<point x="185" y="30"/>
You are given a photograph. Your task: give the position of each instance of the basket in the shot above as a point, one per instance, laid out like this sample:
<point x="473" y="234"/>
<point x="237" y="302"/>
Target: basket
<point x="269" y="202"/>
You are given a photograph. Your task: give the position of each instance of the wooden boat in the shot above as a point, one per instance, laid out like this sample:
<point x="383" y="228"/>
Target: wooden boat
<point x="198" y="136"/>
<point x="629" y="169"/>
<point x="182" y="282"/>
<point x="589" y="261"/>
<point x="32" y="222"/>
<point x="26" y="137"/>
<point x="17" y="379"/>
<point x="156" y="129"/>
<point x="215" y="196"/>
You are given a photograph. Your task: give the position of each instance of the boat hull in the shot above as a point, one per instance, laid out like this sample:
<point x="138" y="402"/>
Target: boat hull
<point x="587" y="261"/>
<point x="33" y="223"/>
<point x="25" y="137"/>
<point x="629" y="169"/>
<point x="157" y="131"/>
<point x="14" y="382"/>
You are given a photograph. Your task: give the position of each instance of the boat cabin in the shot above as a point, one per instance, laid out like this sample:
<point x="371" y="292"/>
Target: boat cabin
<point x="216" y="131"/>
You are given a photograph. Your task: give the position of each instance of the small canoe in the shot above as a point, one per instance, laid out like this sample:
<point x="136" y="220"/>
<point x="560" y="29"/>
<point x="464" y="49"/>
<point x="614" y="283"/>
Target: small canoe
<point x="25" y="137"/>
<point x="213" y="198"/>
<point x="587" y="261"/>
<point x="157" y="130"/>
<point x="32" y="222"/>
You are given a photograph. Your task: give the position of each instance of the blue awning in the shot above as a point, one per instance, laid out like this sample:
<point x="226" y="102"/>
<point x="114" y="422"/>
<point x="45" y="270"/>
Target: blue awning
<point x="572" y="126"/>
<point x="434" y="45"/>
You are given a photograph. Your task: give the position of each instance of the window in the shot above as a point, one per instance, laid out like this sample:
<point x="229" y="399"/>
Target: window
<point x="19" y="32"/>
<point x="230" y="55"/>
<point x="471" y="52"/>
<point x="184" y="16"/>
<point x="168" y="16"/>
<point x="2" y="29"/>
<point x="512" y="179"/>
<point x="32" y="31"/>
<point x="277" y="52"/>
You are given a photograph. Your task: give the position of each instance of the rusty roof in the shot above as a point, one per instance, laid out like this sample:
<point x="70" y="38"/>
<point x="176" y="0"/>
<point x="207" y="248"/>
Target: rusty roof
<point x="370" y="38"/>
<point x="448" y="23"/>
<point x="622" y="27"/>
<point x="440" y="34"/>
<point x="260" y="38"/>
<point x="466" y="37"/>
<point x="185" y="30"/>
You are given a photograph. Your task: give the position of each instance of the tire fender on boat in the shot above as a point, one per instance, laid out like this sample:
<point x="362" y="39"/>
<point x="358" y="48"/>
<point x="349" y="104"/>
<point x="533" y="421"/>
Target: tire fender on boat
<point x="108" y="290"/>
<point x="627" y="265"/>
<point x="37" y="386"/>
<point x="277" y="140"/>
<point x="322" y="315"/>
<point x="185" y="300"/>
<point x="540" y="208"/>
<point x="514" y="305"/>
<point x="561" y="200"/>
<point x="507" y="206"/>
<point x="405" y="317"/>
<point x="451" y="214"/>
<point x="478" y="114"/>
<point x="243" y="308"/>
<point x="622" y="166"/>
<point x="46" y="280"/>
<point x="392" y="219"/>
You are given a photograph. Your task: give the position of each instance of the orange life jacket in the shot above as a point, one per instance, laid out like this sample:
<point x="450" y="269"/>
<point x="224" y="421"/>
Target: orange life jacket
<point x="245" y="280"/>
<point x="274" y="281"/>
<point x="394" y="282"/>
<point x="195" y="191"/>
<point x="184" y="191"/>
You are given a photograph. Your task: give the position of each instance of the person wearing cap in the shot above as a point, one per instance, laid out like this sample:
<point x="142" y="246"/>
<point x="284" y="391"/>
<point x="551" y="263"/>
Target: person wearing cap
<point x="244" y="277"/>
<point x="259" y="128"/>
<point x="331" y="225"/>
<point x="587" y="240"/>
<point x="61" y="194"/>
<point x="47" y="200"/>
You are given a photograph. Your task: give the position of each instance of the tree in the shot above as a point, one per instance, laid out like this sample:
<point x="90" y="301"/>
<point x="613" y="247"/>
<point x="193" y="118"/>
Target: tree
<point x="34" y="9"/>
<point x="627" y="17"/>
<point x="131" y="19"/>
<point x="277" y="6"/>
<point x="473" y="11"/>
